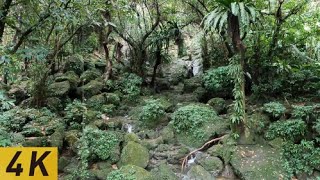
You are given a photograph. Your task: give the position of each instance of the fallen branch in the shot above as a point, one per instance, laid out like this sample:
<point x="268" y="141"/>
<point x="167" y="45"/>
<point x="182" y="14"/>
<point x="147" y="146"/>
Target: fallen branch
<point x="185" y="159"/>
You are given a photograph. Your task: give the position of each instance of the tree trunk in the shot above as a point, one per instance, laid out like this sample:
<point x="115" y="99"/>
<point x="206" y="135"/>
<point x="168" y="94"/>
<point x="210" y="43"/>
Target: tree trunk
<point x="5" y="10"/>
<point x="108" y="71"/>
<point x="204" y="53"/>
<point x="234" y="33"/>
<point x="155" y="67"/>
<point x="180" y="44"/>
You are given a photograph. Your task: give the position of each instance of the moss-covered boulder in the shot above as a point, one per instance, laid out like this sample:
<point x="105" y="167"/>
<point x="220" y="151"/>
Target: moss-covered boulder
<point x="63" y="162"/>
<point x="54" y="104"/>
<point x="195" y="124"/>
<point x="35" y="142"/>
<point x="167" y="134"/>
<point x="218" y="104"/>
<point x="74" y="63"/>
<point x="131" y="137"/>
<point x="162" y="172"/>
<point x="56" y="139"/>
<point x="214" y="165"/>
<point x="129" y="172"/>
<point x="134" y="154"/>
<point x="90" y="75"/>
<point x="102" y="169"/>
<point x="152" y="143"/>
<point x="192" y="84"/>
<point x="92" y="88"/>
<point x="104" y="102"/>
<point x="199" y="173"/>
<point x="70" y="76"/>
<point x="257" y="162"/>
<point x="59" y="89"/>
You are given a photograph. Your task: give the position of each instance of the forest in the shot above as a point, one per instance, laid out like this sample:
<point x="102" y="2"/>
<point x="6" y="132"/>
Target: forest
<point x="164" y="89"/>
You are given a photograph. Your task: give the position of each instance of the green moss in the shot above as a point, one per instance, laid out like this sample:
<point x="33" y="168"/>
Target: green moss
<point x="192" y="84"/>
<point x="90" y="75"/>
<point x="199" y="173"/>
<point x="257" y="162"/>
<point x="197" y="123"/>
<point x="59" y="89"/>
<point x="74" y="63"/>
<point x="289" y="129"/>
<point x="70" y="76"/>
<point x="218" y="104"/>
<point x="130" y="172"/>
<point x="134" y="154"/>
<point x="92" y="88"/>
<point x="163" y="172"/>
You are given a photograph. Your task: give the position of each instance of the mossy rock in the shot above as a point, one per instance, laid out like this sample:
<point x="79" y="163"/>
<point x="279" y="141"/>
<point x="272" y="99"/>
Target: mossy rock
<point x="218" y="104"/>
<point x="257" y="162"/>
<point x="192" y="84"/>
<point x="74" y="63"/>
<point x="131" y="137"/>
<point x="152" y="143"/>
<point x="88" y="64"/>
<point x="134" y="154"/>
<point x="167" y="134"/>
<point x="214" y="165"/>
<point x="199" y="173"/>
<point x="102" y="170"/>
<point x="162" y="172"/>
<point x="35" y="142"/>
<point x="63" y="162"/>
<point x="59" y="89"/>
<point x="130" y="172"/>
<point x="92" y="88"/>
<point x="90" y="75"/>
<point x="56" y="139"/>
<point x="100" y="65"/>
<point x="208" y="130"/>
<point x="54" y="104"/>
<point x="96" y="101"/>
<point x="70" y="76"/>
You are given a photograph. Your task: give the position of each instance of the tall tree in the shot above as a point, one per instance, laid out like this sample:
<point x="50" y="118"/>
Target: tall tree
<point x="233" y="15"/>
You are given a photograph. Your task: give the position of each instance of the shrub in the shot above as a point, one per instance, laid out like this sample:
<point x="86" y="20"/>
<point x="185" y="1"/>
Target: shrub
<point x="217" y="79"/>
<point x="307" y="113"/>
<point x="129" y="84"/>
<point x="152" y="113"/>
<point x="76" y="111"/>
<point x="5" y="138"/>
<point x="5" y="102"/>
<point x="274" y="109"/>
<point x="189" y="118"/>
<point x="317" y="126"/>
<point x="300" y="158"/>
<point x="289" y="129"/>
<point x="96" y="143"/>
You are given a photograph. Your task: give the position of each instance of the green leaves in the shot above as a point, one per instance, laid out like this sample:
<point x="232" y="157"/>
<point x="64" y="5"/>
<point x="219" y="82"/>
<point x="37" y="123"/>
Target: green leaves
<point x="152" y="113"/>
<point x="217" y="19"/>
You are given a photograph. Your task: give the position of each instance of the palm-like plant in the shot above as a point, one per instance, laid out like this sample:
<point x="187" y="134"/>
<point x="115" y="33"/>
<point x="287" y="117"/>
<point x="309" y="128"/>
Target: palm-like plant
<point x="233" y="16"/>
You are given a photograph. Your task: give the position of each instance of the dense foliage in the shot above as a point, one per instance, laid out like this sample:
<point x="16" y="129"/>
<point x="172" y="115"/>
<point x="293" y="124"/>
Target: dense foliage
<point x="76" y="74"/>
